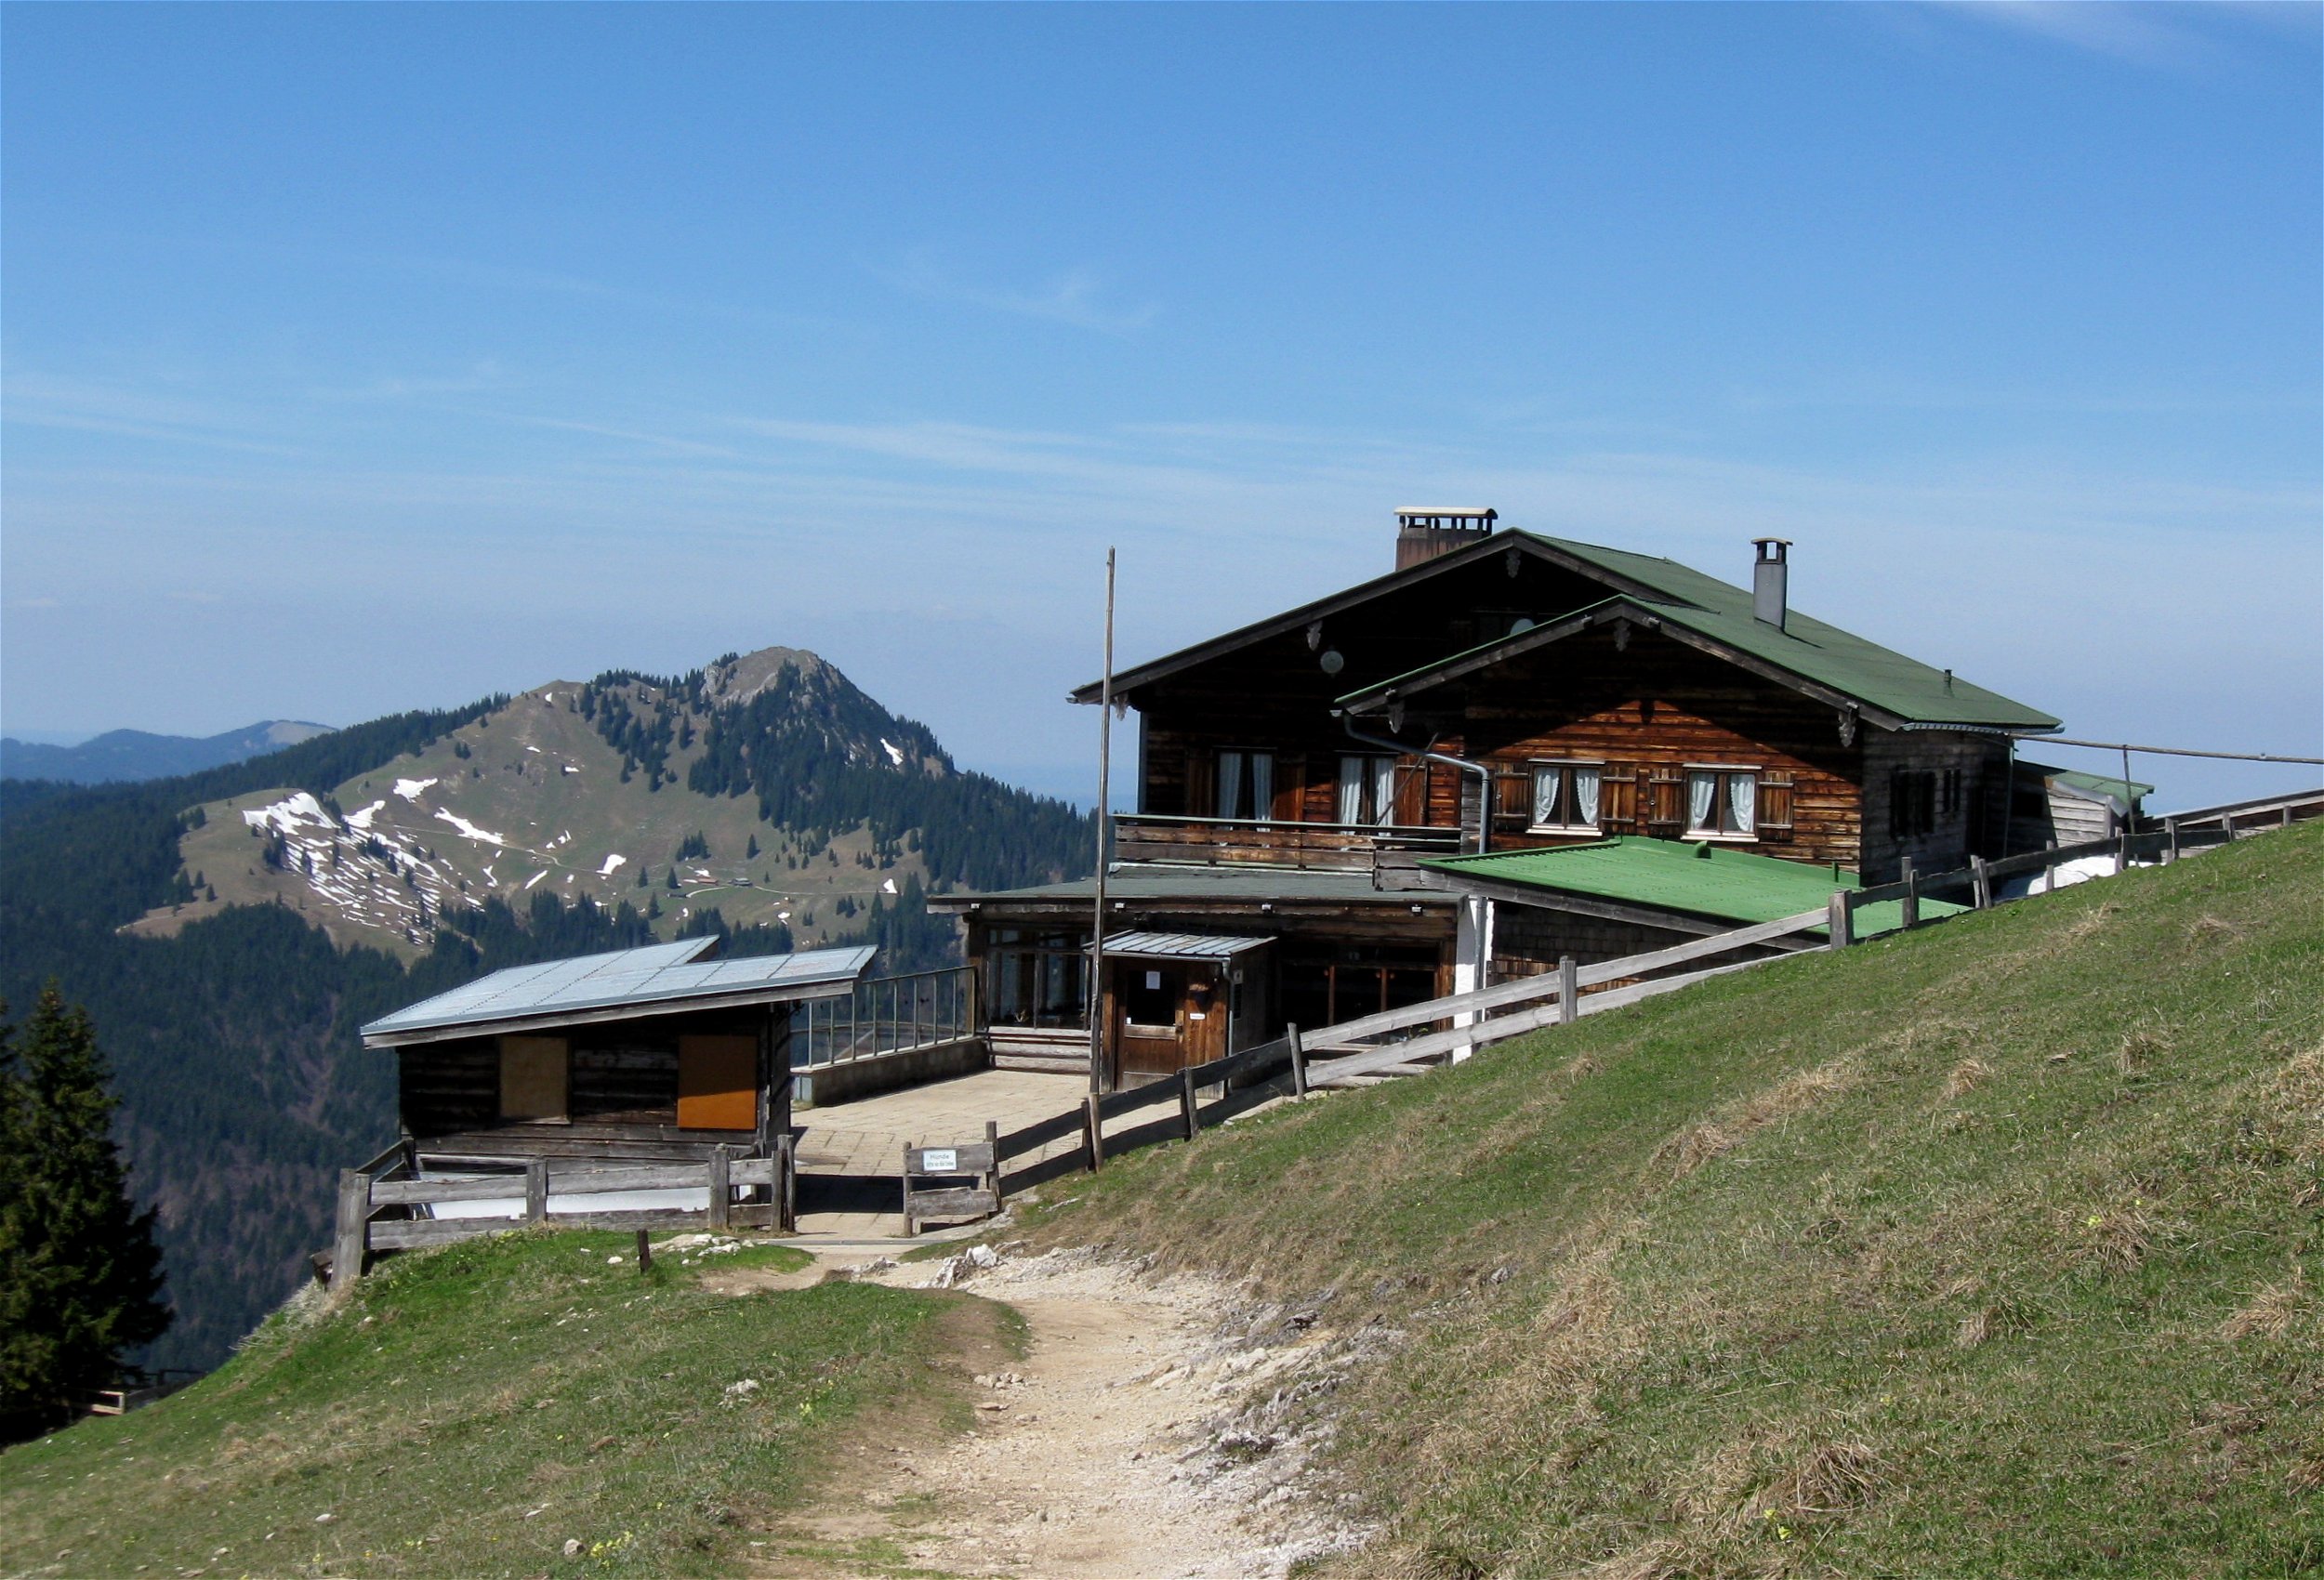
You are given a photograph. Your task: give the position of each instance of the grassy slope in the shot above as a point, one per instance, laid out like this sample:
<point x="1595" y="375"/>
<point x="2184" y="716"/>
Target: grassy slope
<point x="1991" y="1250"/>
<point x="463" y="1390"/>
<point x="513" y="782"/>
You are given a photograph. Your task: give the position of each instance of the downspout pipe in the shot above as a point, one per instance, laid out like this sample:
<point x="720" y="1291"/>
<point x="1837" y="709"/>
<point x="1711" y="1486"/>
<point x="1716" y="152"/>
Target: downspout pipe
<point x="1485" y="775"/>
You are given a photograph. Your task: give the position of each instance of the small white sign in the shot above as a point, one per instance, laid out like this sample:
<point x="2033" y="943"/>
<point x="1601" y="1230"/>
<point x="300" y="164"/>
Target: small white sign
<point x="941" y="1160"/>
<point x="1195" y="1014"/>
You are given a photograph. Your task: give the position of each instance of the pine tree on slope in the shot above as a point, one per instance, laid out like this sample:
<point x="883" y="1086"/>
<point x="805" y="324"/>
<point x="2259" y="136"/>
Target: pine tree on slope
<point x="80" y="1276"/>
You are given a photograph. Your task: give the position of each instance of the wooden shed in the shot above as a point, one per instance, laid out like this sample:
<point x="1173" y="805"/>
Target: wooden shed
<point x="654" y="1053"/>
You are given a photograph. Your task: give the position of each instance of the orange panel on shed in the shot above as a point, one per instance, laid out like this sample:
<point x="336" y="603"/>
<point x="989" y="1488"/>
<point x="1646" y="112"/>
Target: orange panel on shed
<point x="718" y="1082"/>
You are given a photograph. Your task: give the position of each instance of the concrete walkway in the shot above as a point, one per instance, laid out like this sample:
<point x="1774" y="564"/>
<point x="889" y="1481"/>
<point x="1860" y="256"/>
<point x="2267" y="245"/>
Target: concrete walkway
<point x="849" y="1154"/>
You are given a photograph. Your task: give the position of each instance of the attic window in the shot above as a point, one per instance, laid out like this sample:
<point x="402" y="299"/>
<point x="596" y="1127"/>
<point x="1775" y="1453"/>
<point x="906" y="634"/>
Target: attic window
<point x="1566" y="795"/>
<point x="1721" y="803"/>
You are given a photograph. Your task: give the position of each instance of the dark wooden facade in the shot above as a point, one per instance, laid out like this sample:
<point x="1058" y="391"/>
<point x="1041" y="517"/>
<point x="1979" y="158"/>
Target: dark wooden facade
<point x="670" y="1086"/>
<point x="1641" y="708"/>
<point x="1427" y="713"/>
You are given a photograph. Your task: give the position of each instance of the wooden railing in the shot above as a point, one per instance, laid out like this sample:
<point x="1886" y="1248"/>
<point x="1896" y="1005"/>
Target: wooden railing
<point x="1270" y="843"/>
<point x="364" y="1196"/>
<point x="1209" y="1093"/>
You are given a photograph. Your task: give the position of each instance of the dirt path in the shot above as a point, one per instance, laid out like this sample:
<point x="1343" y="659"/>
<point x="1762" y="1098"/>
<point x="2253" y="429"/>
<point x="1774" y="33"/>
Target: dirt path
<point x="1131" y="1443"/>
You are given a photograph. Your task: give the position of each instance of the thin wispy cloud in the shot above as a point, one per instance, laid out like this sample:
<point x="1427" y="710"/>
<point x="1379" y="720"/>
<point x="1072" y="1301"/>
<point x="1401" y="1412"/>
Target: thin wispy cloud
<point x="2140" y="34"/>
<point x="36" y="400"/>
<point x="1077" y="298"/>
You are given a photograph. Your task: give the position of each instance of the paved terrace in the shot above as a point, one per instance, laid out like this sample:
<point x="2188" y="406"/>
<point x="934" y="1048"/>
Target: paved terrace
<point x="850" y="1154"/>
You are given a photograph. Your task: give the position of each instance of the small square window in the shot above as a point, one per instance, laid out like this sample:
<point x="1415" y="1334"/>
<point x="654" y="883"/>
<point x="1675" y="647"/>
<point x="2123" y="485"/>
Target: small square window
<point x="1723" y="803"/>
<point x="1565" y="794"/>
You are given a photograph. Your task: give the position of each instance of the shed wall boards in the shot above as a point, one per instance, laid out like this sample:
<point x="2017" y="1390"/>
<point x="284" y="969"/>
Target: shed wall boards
<point x="532" y="1079"/>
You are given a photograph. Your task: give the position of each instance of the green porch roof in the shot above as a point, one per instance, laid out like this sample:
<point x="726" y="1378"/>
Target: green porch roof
<point x="2110" y="787"/>
<point x="1697" y="878"/>
<point x="1878" y="677"/>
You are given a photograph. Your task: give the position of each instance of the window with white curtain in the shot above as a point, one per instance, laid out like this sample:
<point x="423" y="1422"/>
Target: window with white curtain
<point x="1247" y="785"/>
<point x="1565" y="794"/>
<point x="1723" y="803"/>
<point x="1367" y="789"/>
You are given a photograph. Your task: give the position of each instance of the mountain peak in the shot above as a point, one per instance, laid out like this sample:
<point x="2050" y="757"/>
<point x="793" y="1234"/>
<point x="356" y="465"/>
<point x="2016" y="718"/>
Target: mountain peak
<point x="739" y="678"/>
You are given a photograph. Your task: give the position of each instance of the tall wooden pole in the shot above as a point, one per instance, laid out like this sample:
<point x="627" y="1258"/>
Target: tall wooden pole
<point x="1097" y="932"/>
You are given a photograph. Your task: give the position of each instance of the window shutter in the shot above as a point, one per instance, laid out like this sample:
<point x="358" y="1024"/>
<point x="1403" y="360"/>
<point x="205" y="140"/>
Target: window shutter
<point x="1618" y="800"/>
<point x="1666" y="804"/>
<point x="1512" y="796"/>
<point x="1775" y="806"/>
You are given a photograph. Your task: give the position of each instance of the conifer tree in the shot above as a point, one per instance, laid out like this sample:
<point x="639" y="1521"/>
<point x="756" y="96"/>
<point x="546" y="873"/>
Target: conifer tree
<point x="80" y="1276"/>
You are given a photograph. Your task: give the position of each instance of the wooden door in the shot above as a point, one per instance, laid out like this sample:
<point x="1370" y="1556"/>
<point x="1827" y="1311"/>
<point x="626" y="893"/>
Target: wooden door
<point x="1150" y="1000"/>
<point x="718" y="1082"/>
<point x="534" y="1080"/>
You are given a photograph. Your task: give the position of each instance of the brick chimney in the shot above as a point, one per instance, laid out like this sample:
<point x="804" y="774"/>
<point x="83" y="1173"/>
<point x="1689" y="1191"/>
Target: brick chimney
<point x="1423" y="531"/>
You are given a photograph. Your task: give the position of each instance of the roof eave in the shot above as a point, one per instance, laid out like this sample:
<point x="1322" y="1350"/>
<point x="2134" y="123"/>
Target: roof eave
<point x="1505" y="541"/>
<point x="601" y="1014"/>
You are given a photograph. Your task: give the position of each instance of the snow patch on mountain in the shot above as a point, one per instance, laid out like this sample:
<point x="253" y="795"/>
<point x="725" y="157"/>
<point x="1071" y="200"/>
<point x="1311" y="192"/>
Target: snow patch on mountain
<point x="285" y="815"/>
<point x="481" y="836"/>
<point x="410" y="788"/>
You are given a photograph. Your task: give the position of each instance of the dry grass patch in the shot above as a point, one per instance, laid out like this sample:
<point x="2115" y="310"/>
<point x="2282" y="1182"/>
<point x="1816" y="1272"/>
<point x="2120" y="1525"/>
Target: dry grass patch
<point x="2272" y="1309"/>
<point x="1683" y="1153"/>
<point x="1966" y="1077"/>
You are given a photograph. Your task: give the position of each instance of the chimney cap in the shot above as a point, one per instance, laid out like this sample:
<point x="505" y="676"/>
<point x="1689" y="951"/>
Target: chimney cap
<point x="1433" y="515"/>
<point x="1772" y="547"/>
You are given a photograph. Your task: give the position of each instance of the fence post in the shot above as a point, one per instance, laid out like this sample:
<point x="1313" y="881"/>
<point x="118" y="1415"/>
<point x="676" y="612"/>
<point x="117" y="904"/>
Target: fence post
<point x="1569" y="989"/>
<point x="909" y="1228"/>
<point x="1838" y="917"/>
<point x="1186" y="1103"/>
<point x="2171" y="840"/>
<point x="992" y="1180"/>
<point x="721" y="1194"/>
<point x="2049" y="869"/>
<point x="1980" y="883"/>
<point x="354" y="1217"/>
<point x="786" y="1184"/>
<point x="1093" y="1128"/>
<point x="535" y="1190"/>
<point x="1911" y="906"/>
<point x="1299" y="1059"/>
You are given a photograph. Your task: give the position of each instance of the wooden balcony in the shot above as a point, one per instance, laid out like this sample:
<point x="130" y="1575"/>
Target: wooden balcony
<point x="1242" y="842"/>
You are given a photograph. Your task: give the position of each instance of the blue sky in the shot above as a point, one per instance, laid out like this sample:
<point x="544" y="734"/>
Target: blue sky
<point x="366" y="358"/>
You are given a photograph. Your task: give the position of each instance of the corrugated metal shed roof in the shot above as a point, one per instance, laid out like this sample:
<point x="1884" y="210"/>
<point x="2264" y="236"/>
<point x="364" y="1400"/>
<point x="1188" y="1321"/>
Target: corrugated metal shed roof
<point x="1181" y="946"/>
<point x="1700" y="879"/>
<point x="607" y="986"/>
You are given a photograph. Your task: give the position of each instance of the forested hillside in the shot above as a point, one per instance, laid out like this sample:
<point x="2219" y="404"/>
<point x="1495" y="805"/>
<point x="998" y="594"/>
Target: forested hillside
<point x="227" y="961"/>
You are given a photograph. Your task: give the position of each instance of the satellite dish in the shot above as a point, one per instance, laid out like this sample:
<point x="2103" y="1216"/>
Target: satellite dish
<point x="1332" y="662"/>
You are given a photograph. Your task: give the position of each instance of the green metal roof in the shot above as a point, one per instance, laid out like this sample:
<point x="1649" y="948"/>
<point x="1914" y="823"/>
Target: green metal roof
<point x="1886" y="679"/>
<point x="1697" y="878"/>
<point x="2098" y="784"/>
<point x="1877" y="677"/>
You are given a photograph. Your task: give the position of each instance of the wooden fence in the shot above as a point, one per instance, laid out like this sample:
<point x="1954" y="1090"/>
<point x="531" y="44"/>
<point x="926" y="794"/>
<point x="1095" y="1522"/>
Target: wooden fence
<point x="383" y="1207"/>
<point x="1441" y="1031"/>
<point x="1447" y="1030"/>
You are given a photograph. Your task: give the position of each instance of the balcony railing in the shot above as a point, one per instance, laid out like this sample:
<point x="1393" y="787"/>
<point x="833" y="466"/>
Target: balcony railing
<point x="1246" y="842"/>
<point x="885" y="1015"/>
